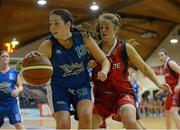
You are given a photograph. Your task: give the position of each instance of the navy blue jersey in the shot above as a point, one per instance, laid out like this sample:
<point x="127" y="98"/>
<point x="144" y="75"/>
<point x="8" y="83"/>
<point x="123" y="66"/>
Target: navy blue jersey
<point x="136" y="89"/>
<point x="69" y="65"/>
<point x="7" y="85"/>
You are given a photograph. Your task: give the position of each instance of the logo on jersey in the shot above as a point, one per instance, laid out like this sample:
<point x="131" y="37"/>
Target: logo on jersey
<point x="81" y="50"/>
<point x="11" y="76"/>
<point x="58" y="51"/>
<point x="82" y="91"/>
<point x="73" y="69"/>
<point x="17" y="117"/>
<point x="116" y="66"/>
<point x="5" y="87"/>
<point x="72" y="91"/>
<point x="61" y="102"/>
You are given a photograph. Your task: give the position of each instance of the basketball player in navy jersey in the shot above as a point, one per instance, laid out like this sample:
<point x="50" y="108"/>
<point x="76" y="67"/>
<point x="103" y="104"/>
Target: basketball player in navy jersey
<point x="115" y="95"/>
<point x="10" y="87"/>
<point x="69" y="51"/>
<point x="171" y="72"/>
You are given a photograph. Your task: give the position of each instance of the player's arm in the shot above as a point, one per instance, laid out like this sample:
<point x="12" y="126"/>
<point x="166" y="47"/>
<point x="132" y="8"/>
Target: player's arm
<point x="140" y="87"/>
<point x="174" y="66"/>
<point x="98" y="54"/>
<point x="19" y="84"/>
<point x="19" y="87"/>
<point x="138" y="62"/>
<point x="45" y="48"/>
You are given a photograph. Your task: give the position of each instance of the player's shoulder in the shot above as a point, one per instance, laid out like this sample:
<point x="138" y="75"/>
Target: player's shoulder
<point x="46" y="44"/>
<point x="171" y="62"/>
<point x="13" y="70"/>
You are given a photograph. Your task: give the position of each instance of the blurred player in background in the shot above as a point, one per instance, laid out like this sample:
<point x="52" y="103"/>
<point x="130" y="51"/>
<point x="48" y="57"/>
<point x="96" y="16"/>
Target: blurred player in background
<point x="171" y="72"/>
<point x="10" y="87"/>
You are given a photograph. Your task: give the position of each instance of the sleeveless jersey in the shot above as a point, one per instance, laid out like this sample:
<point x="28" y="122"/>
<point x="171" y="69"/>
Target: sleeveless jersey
<point x="171" y="76"/>
<point x="7" y="85"/>
<point x="116" y="79"/>
<point x="69" y="65"/>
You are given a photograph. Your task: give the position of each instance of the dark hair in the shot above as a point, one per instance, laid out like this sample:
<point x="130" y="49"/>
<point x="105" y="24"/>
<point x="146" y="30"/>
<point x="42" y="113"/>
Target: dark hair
<point x="65" y="15"/>
<point x="164" y="51"/>
<point x="3" y="51"/>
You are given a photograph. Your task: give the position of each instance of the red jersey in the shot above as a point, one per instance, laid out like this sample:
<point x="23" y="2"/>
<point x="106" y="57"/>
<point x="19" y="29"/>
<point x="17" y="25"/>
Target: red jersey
<point x="171" y="76"/>
<point x="117" y="82"/>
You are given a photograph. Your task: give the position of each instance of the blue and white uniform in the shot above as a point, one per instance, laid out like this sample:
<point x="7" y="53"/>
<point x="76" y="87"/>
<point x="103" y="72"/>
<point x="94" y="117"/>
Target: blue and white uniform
<point x="70" y="81"/>
<point x="137" y="98"/>
<point x="9" y="105"/>
<point x="136" y="90"/>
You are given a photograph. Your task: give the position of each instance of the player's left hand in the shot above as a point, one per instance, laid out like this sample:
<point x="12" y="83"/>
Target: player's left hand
<point x="92" y="64"/>
<point x="159" y="93"/>
<point x="15" y="93"/>
<point x="101" y="76"/>
<point x="164" y="87"/>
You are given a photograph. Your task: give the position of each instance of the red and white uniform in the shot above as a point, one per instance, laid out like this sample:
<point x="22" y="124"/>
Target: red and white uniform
<point x="116" y="91"/>
<point x="172" y="80"/>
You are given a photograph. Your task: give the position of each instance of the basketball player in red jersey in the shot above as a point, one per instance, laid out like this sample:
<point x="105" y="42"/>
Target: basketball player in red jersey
<point x="115" y="95"/>
<point x="171" y="71"/>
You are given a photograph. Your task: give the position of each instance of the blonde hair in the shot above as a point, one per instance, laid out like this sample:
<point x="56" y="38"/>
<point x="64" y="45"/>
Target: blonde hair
<point x="114" y="18"/>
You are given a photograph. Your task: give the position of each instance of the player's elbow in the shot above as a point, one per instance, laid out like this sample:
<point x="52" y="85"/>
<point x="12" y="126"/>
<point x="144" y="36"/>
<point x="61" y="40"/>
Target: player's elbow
<point x="20" y="88"/>
<point x="145" y="69"/>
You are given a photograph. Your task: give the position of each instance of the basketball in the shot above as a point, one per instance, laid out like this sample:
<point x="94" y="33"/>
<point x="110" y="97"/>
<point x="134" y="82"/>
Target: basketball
<point x="36" y="70"/>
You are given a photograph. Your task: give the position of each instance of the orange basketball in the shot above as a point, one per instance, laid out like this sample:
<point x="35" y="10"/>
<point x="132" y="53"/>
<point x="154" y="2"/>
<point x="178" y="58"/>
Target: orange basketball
<point x="36" y="70"/>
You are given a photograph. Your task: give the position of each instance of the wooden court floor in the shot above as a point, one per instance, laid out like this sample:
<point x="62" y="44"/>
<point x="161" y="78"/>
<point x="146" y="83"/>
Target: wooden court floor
<point x="48" y="123"/>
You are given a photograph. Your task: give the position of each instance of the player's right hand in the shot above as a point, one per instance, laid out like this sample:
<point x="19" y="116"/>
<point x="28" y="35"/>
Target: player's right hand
<point x="32" y="54"/>
<point x="15" y="93"/>
<point x="101" y="76"/>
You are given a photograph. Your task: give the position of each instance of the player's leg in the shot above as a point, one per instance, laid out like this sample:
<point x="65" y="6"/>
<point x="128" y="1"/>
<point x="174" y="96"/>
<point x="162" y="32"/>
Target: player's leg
<point x="15" y="118"/>
<point x="2" y="114"/>
<point x="62" y="119"/>
<point x="127" y="112"/>
<point x="175" y="108"/>
<point x="97" y="121"/>
<point x="1" y="120"/>
<point x="168" y="118"/>
<point x="59" y="103"/>
<point x="84" y="105"/>
<point x="175" y="116"/>
<point x="84" y="111"/>
<point x="103" y="125"/>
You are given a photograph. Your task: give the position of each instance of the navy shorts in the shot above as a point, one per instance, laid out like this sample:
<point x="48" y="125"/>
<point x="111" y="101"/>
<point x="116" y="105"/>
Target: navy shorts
<point x="61" y="98"/>
<point x="11" y="111"/>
